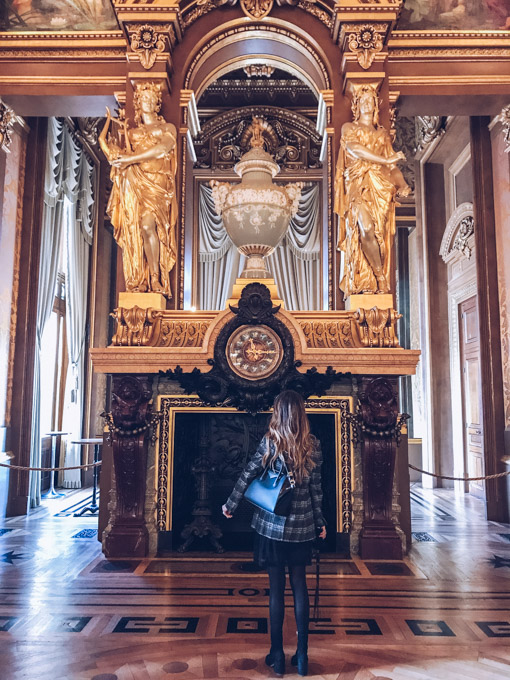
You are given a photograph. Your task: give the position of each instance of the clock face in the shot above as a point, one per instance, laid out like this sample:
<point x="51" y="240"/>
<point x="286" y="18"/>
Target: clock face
<point x="254" y="352"/>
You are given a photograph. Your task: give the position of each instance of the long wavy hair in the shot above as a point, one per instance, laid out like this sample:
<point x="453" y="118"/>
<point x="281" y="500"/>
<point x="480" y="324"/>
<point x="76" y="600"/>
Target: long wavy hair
<point x="289" y="429"/>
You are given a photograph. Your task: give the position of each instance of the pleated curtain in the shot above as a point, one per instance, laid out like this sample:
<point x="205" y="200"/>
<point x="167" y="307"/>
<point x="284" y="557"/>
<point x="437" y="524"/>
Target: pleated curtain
<point x="295" y="264"/>
<point x="51" y="234"/>
<point x="67" y="213"/>
<point x="79" y="199"/>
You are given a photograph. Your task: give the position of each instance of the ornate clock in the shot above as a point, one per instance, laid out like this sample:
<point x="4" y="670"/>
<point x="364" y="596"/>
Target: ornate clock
<point x="254" y="352"/>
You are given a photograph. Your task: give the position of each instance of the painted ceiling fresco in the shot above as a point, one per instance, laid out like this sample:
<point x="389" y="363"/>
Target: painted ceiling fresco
<point x="56" y="15"/>
<point x="455" y="14"/>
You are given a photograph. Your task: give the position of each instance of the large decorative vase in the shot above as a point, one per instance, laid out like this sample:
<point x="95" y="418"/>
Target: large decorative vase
<point x="256" y="213"/>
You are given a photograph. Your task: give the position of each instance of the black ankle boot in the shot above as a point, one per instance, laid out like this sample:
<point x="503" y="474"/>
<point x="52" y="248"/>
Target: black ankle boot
<point x="276" y="660"/>
<point x="302" y="663"/>
<point x="300" y="658"/>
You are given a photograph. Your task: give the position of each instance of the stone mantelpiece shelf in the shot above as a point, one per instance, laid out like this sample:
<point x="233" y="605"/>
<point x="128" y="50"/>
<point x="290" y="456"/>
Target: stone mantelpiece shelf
<point x="369" y="361"/>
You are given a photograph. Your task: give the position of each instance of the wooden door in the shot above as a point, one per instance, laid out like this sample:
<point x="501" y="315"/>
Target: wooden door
<point x="471" y="393"/>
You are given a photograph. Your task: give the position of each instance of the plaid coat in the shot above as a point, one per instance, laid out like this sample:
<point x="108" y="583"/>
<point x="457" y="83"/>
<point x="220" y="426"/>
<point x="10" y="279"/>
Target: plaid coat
<point x="306" y="508"/>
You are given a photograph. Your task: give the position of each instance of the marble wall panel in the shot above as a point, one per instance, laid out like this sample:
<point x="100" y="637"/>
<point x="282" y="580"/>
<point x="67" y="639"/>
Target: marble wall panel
<point x="12" y="190"/>
<point x="501" y="169"/>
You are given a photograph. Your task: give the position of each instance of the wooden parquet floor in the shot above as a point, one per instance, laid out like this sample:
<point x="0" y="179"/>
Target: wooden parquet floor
<point x="68" y="614"/>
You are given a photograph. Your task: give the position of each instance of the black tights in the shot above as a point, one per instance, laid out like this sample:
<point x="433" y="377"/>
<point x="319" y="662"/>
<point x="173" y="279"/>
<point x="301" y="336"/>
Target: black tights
<point x="277" y="604"/>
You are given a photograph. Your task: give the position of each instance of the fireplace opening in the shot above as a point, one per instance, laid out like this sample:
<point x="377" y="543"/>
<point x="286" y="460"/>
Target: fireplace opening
<point x="212" y="449"/>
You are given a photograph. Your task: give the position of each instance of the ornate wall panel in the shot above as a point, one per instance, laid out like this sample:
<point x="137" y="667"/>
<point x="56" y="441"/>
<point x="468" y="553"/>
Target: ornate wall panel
<point x="289" y="137"/>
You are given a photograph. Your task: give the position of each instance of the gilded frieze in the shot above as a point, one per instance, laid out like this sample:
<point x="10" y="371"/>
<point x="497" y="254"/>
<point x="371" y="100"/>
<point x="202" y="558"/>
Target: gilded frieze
<point x="138" y="327"/>
<point x="362" y="328"/>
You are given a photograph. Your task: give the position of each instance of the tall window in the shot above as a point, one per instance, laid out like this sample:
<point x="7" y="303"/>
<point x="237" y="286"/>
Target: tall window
<point x="54" y="361"/>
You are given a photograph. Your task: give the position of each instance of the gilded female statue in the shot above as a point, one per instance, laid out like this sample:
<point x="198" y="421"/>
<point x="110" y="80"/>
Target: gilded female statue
<point x="367" y="181"/>
<point x="143" y="205"/>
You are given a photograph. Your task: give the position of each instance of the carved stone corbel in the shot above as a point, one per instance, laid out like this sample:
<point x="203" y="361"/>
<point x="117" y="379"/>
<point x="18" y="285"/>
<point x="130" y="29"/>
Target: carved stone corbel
<point x="136" y="326"/>
<point x="365" y="40"/>
<point x="147" y="43"/>
<point x="376" y="327"/>
<point x="126" y="534"/>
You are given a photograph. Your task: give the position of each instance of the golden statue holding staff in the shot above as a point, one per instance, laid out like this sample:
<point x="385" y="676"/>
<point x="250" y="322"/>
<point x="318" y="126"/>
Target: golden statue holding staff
<point x="367" y="181"/>
<point x="143" y="205"/>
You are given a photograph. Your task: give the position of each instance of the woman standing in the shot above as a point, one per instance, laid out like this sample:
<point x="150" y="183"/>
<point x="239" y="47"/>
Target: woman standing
<point x="287" y="541"/>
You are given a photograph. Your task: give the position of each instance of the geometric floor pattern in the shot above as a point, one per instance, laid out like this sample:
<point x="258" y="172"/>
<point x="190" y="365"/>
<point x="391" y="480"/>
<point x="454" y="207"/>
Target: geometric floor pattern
<point x="442" y="613"/>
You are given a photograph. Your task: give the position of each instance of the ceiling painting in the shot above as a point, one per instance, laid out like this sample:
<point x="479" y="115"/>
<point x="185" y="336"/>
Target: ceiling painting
<point x="57" y="15"/>
<point x="455" y="14"/>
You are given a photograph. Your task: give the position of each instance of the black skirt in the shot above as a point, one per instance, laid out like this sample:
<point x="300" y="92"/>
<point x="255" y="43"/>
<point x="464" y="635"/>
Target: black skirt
<point x="271" y="553"/>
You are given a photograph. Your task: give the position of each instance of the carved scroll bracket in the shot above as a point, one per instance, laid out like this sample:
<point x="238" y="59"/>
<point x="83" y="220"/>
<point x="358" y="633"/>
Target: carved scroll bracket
<point x="378" y="427"/>
<point x="148" y="43"/>
<point x="365" y="41"/>
<point x="126" y="534"/>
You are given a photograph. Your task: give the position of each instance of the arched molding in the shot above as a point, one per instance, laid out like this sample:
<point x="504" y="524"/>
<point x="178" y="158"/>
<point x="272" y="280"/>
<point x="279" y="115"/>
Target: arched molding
<point x="279" y="44"/>
<point x="198" y="8"/>
<point x="458" y="238"/>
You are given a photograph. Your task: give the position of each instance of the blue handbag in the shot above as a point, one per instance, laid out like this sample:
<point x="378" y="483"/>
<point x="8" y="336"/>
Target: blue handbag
<point x="272" y="490"/>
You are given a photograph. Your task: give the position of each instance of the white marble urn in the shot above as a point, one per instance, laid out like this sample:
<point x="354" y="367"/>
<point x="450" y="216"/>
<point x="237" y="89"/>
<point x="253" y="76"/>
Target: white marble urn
<point x="256" y="213"/>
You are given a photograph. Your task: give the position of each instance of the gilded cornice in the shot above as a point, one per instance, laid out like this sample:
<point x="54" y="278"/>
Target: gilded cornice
<point x="319" y="11"/>
<point x="448" y="44"/>
<point x="58" y="45"/>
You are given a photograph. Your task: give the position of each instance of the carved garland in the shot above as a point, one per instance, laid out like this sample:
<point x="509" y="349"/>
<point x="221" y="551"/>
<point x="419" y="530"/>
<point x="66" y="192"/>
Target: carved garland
<point x="149" y="328"/>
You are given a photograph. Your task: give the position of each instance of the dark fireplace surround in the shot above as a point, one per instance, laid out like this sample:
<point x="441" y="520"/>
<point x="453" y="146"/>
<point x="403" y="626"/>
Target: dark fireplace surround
<point x="143" y="425"/>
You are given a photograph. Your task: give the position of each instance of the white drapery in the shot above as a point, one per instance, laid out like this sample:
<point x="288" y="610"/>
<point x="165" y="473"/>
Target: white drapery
<point x="51" y="233"/>
<point x="295" y="264"/>
<point x="219" y="261"/>
<point x="68" y="197"/>
<point x="78" y="203"/>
